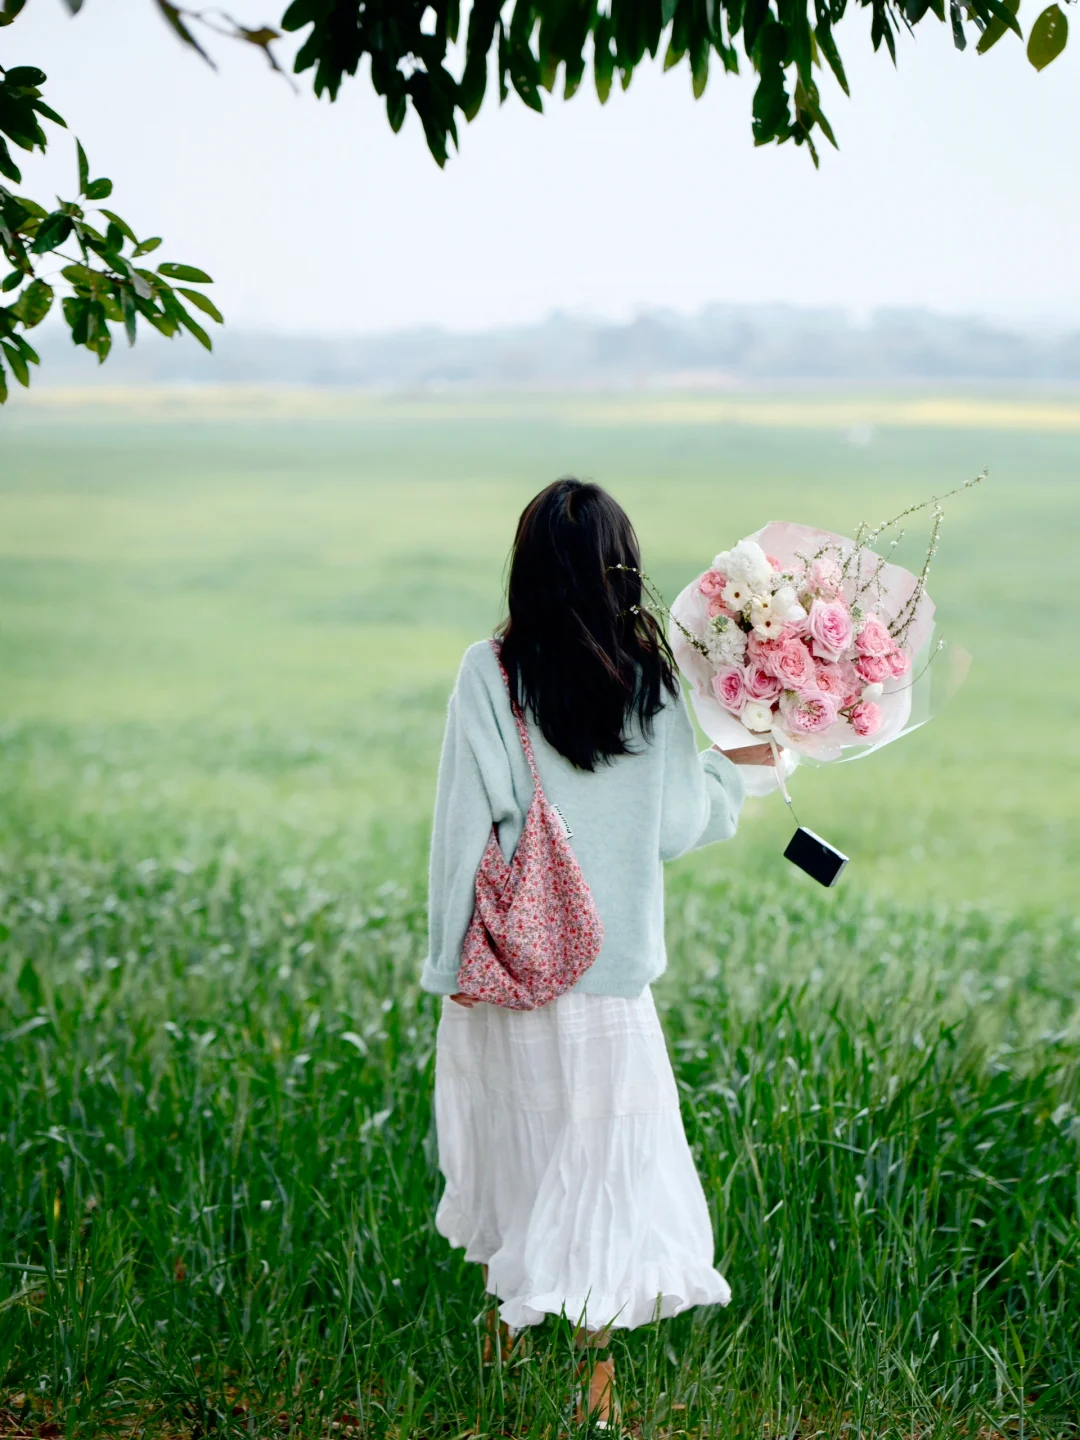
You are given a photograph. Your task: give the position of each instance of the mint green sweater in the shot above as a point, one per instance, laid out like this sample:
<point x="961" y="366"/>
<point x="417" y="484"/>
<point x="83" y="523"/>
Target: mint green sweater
<point x="626" y="819"/>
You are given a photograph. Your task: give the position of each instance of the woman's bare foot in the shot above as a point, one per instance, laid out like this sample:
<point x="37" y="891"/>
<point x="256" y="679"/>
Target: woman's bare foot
<point x="496" y="1327"/>
<point x="601" y="1407"/>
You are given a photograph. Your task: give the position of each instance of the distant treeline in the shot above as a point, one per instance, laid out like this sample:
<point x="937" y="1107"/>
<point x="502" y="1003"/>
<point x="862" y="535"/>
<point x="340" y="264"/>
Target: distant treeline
<point x="721" y="345"/>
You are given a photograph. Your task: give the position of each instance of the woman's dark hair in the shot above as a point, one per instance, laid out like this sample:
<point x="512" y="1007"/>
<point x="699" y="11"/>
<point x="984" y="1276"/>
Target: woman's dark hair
<point x="581" y="655"/>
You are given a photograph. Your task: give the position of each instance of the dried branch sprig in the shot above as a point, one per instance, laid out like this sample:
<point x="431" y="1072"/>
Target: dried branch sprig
<point x="902" y="624"/>
<point x="220" y="22"/>
<point x="874" y="579"/>
<point x="935" y="500"/>
<point x="658" y="609"/>
<point x="865" y="536"/>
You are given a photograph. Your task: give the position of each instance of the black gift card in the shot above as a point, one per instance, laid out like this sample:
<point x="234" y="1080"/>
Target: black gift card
<point x="816" y="856"/>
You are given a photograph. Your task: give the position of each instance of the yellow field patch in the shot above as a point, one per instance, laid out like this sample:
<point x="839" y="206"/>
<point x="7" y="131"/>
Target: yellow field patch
<point x="1058" y="413"/>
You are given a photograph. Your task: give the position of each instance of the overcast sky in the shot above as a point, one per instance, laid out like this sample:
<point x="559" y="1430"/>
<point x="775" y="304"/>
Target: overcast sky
<point x="954" y="188"/>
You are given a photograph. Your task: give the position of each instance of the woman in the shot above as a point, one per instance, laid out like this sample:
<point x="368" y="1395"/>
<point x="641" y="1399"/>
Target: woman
<point x="568" y="1174"/>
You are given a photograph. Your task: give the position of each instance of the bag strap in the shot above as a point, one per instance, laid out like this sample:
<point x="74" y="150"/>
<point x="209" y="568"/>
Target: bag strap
<point x="523" y="729"/>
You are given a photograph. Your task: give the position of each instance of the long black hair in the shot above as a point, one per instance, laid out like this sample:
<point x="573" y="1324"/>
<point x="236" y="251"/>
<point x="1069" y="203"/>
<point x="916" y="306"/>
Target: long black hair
<point x="581" y="654"/>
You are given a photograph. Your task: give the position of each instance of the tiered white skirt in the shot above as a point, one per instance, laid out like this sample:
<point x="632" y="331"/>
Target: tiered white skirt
<point x="567" y="1167"/>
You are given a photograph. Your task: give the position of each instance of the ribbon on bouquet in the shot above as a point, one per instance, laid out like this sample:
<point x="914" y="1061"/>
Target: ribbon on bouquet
<point x="821" y="861"/>
<point x="779" y="766"/>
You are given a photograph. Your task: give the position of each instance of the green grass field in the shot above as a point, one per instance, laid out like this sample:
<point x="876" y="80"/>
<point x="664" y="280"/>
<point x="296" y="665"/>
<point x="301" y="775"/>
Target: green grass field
<point x="228" y="627"/>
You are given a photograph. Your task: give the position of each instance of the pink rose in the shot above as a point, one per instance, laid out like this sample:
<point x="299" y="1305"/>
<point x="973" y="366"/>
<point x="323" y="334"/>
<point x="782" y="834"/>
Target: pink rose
<point x="873" y="668"/>
<point x="717" y="607"/>
<point x="873" y="638"/>
<point x="759" y="649"/>
<point x="761" y="683"/>
<point x="824" y="577"/>
<point x="808" y="714"/>
<point x="796" y="629"/>
<point x="729" y="687"/>
<point x="831" y="680"/>
<point x="899" y="663"/>
<point x="792" y="665"/>
<point x="830" y="628"/>
<point x="866" y="718"/>
<point x="712" y="583"/>
<point x="853" y="683"/>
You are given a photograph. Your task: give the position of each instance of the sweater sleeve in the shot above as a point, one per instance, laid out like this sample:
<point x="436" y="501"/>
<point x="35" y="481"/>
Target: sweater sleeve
<point x="459" y="836"/>
<point x="703" y="794"/>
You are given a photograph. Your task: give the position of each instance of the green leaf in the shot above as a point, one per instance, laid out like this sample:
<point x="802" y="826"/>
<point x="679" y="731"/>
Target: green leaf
<point x="203" y="303"/>
<point x="80" y="275"/>
<point x="502" y="64"/>
<point x="3" y="386"/>
<point x="98" y="189"/>
<point x="84" y="167"/>
<point x="49" y="113"/>
<point x="189" y="323"/>
<point x="1004" y="18"/>
<point x="573" y="72"/>
<point x="699" y="60"/>
<point x="122" y="225"/>
<point x="144" y="246"/>
<point x="76" y="313"/>
<point x="127" y="305"/>
<point x="173" y="16"/>
<point x="771" y="113"/>
<point x="27" y="351"/>
<point x="825" y="38"/>
<point x="53" y="231"/>
<point x="957" y="22"/>
<point x="9" y="10"/>
<point x="673" y="56"/>
<point x="1048" y="37"/>
<point x="98" y="338"/>
<point x="34" y="303"/>
<point x="603" y="59"/>
<point x="12" y="281"/>
<point x="160" y="321"/>
<point x="808" y="100"/>
<point x="143" y="287"/>
<point x="172" y="271"/>
<point x="396" y="104"/>
<point x="18" y="364"/>
<point x="8" y="168"/>
<point x="25" y="77"/>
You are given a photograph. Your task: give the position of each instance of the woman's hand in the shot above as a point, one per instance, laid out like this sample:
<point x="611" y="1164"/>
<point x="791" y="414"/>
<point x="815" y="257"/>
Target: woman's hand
<point x="750" y="754"/>
<point x="465" y="1001"/>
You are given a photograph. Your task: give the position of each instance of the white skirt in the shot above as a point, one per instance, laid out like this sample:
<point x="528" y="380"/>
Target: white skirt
<point x="567" y="1167"/>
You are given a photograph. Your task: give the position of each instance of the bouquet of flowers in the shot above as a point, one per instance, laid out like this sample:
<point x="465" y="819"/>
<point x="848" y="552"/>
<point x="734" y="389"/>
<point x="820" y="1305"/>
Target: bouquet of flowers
<point x="806" y="637"/>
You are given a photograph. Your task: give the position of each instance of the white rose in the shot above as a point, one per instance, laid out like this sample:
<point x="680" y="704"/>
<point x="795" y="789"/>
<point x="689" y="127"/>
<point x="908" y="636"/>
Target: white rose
<point x="872" y="691"/>
<point x="757" y="715"/>
<point x="746" y="564"/>
<point x="785" y="603"/>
